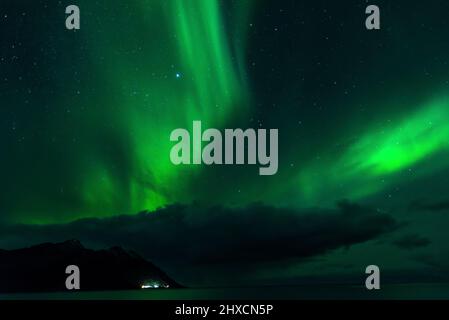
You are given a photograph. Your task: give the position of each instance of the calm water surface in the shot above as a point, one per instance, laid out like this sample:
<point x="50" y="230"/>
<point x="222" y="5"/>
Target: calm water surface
<point x="407" y="291"/>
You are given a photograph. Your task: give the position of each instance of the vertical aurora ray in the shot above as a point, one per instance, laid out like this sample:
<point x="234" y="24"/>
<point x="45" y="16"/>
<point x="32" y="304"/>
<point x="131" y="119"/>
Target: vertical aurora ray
<point x="187" y="70"/>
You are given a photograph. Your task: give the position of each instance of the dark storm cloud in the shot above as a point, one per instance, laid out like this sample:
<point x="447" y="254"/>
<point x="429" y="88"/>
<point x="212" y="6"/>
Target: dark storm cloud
<point x="438" y="263"/>
<point x="197" y="234"/>
<point x="433" y="207"/>
<point x="412" y="241"/>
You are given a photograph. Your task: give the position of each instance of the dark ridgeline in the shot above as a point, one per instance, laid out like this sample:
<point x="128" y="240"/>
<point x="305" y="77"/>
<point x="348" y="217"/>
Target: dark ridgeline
<point x="42" y="268"/>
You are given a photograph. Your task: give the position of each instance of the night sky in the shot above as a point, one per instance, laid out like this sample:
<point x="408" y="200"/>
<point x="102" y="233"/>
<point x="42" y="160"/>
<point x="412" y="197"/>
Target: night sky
<point x="363" y="119"/>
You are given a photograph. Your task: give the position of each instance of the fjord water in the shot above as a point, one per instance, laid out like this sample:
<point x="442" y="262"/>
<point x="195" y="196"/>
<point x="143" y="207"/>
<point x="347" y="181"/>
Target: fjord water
<point x="397" y="291"/>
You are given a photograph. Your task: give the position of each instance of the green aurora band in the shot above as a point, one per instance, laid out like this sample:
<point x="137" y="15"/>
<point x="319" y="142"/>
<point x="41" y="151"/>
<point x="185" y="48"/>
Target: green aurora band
<point x="208" y="76"/>
<point x="381" y="155"/>
<point x="137" y="85"/>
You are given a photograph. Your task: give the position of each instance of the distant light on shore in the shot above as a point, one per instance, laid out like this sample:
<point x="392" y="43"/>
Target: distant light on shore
<point x="154" y="285"/>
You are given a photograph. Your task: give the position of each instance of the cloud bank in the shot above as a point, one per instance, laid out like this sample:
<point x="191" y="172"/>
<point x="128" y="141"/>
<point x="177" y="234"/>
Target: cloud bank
<point x="194" y="234"/>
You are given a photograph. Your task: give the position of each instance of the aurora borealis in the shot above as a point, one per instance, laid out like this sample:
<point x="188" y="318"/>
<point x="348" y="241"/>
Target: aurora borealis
<point x="363" y="118"/>
<point x="388" y="152"/>
<point x="137" y="108"/>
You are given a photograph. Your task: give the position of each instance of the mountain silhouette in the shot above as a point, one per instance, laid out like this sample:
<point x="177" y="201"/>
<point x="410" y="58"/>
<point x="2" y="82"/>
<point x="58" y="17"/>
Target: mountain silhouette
<point x="41" y="268"/>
